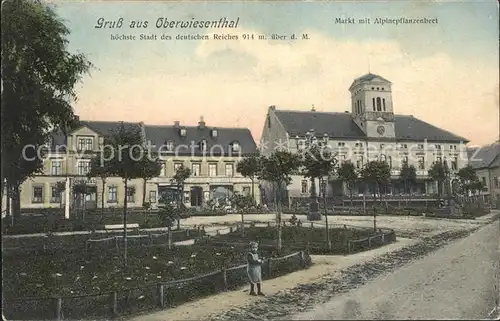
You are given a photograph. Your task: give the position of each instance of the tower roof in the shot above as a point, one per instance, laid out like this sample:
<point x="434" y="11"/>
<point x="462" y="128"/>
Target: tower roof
<point x="368" y="77"/>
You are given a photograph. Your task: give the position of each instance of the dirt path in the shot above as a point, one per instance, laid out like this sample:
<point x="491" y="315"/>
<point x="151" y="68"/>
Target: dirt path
<point x="216" y="304"/>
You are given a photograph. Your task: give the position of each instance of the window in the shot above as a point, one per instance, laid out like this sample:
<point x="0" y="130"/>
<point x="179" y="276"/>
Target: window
<point x="229" y="170"/>
<point x="170" y="146"/>
<point x="404" y="160"/>
<point x="389" y="161"/>
<point x="112" y="194"/>
<point x="379" y="104"/>
<point x="203" y="145"/>
<point x="246" y="190"/>
<point x="212" y="169"/>
<point x="55" y="195"/>
<point x="83" y="167"/>
<point x="152" y="197"/>
<point x="421" y="162"/>
<point x="177" y="166"/>
<point x="214" y="133"/>
<point x="403" y="146"/>
<point x="183" y="132"/>
<point x="483" y="179"/>
<point x="420" y="146"/>
<point x="186" y="197"/>
<point x="438" y="159"/>
<point x="383" y="103"/>
<point x="373" y="102"/>
<point x="496" y="182"/>
<point x="301" y="144"/>
<point x="235" y="147"/>
<point x="454" y="163"/>
<point x="195" y="169"/>
<point x="382" y="146"/>
<point x="304" y="186"/>
<point x="438" y="147"/>
<point x="163" y="171"/>
<point x="37" y="194"/>
<point x="341" y="159"/>
<point x="130" y="194"/>
<point x="55" y="168"/>
<point x="85" y="143"/>
<point x="359" y="162"/>
<point x="341" y="144"/>
<point x="359" y="145"/>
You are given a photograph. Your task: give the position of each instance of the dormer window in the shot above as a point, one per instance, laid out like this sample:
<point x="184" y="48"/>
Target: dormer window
<point x="170" y="145"/>
<point x="235" y="146"/>
<point x="214" y="133"/>
<point x="301" y="144"/>
<point x="183" y="132"/>
<point x="203" y="145"/>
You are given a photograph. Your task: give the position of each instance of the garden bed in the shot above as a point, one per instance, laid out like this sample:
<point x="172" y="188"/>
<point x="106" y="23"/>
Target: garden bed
<point x="93" y="284"/>
<point x="343" y="240"/>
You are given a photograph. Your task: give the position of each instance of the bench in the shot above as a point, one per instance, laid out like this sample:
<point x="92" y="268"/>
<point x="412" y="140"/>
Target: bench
<point x="114" y="227"/>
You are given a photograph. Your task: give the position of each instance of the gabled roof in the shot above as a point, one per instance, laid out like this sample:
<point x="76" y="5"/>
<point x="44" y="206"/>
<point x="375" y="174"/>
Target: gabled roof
<point x="341" y="125"/>
<point x="485" y="156"/>
<point x="159" y="135"/>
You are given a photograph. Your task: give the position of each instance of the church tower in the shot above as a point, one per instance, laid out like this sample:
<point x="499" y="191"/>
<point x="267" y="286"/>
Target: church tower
<point x="372" y="108"/>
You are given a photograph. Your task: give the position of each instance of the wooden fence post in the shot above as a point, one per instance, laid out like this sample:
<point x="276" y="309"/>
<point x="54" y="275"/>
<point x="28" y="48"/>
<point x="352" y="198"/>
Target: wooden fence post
<point x="224" y="278"/>
<point x="218" y="232"/>
<point x="268" y="224"/>
<point x="187" y="232"/>
<point x="58" y="309"/>
<point x="383" y="238"/>
<point x="348" y="247"/>
<point x="369" y="242"/>
<point x="161" y="299"/>
<point x="114" y="304"/>
<point x="312" y="224"/>
<point x="269" y="267"/>
<point x="230" y="229"/>
<point x="302" y="259"/>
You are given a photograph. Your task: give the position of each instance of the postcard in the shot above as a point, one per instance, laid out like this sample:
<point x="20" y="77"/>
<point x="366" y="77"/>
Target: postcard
<point x="216" y="160"/>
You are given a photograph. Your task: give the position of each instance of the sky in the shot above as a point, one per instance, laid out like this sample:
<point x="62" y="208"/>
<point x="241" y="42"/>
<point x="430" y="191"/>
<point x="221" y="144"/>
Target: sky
<point x="446" y="74"/>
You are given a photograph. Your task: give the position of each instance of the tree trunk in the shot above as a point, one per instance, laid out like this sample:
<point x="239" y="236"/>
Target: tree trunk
<point x="144" y="192"/>
<point x="102" y="197"/>
<point x="328" y="242"/>
<point x="16" y="203"/>
<point x="125" y="180"/>
<point x="242" y="225"/>
<point x="253" y="190"/>
<point x="278" y="215"/>
<point x="169" y="228"/>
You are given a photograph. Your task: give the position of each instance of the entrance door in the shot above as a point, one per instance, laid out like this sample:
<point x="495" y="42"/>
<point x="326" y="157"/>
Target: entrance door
<point x="196" y="196"/>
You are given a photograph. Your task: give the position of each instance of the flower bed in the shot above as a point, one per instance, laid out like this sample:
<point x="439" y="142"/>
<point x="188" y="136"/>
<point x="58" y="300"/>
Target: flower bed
<point x="98" y="284"/>
<point x="295" y="237"/>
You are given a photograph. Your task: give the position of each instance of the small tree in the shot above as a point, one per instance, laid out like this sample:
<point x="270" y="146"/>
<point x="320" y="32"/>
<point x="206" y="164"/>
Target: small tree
<point x="151" y="167"/>
<point x="437" y="173"/>
<point x="347" y="174"/>
<point x="278" y="169"/>
<point x="377" y="174"/>
<point x="468" y="179"/>
<point x="408" y="176"/>
<point x="250" y="167"/>
<point x="61" y="187"/>
<point x="100" y="166"/>
<point x="242" y="204"/>
<point x="168" y="214"/>
<point x="318" y="162"/>
<point x="127" y="148"/>
<point x="81" y="189"/>
<point x="181" y="175"/>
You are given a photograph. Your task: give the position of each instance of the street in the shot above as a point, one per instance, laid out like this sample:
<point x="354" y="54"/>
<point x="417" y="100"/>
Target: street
<point x="459" y="281"/>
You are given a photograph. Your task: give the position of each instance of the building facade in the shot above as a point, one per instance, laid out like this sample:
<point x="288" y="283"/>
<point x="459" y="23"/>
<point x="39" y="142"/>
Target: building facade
<point x="370" y="131"/>
<point x="211" y="153"/>
<point x="485" y="161"/>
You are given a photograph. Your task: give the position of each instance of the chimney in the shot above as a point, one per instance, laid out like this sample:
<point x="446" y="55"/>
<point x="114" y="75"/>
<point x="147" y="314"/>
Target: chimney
<point x="312" y="108"/>
<point x="201" y="123"/>
<point x="272" y="107"/>
<point x="176" y="123"/>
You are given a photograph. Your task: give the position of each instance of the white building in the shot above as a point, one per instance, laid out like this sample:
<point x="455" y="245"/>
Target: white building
<point x="370" y="131"/>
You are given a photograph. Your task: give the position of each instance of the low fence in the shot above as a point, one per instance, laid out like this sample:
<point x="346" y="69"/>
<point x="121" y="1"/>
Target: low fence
<point x="155" y="296"/>
<point x="381" y="237"/>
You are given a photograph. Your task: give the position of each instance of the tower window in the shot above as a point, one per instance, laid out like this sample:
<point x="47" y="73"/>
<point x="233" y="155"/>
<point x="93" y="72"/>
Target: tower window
<point x="377" y="88"/>
<point x="383" y="103"/>
<point x="373" y="88"/>
<point x="379" y="104"/>
<point x="373" y="101"/>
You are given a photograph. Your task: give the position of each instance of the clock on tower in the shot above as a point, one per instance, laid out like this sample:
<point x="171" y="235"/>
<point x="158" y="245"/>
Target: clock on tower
<point x="381" y="130"/>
